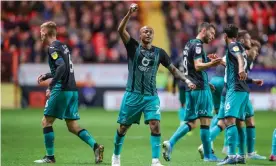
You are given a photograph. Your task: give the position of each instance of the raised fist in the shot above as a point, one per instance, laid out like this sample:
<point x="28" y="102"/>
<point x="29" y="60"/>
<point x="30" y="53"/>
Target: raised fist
<point x="133" y="8"/>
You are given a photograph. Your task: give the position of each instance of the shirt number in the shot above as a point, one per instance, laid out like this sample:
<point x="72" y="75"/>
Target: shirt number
<point x="185" y="64"/>
<point x="70" y="64"/>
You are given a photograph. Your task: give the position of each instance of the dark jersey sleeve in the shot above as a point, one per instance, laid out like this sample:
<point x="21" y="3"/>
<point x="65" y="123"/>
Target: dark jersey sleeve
<point x="165" y="60"/>
<point x="59" y="64"/>
<point x="198" y="51"/>
<point x="235" y="49"/>
<point x="131" y="46"/>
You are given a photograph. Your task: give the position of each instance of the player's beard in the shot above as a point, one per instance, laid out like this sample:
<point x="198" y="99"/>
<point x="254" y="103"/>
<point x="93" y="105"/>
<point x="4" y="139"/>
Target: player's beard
<point x="247" y="47"/>
<point x="206" y="39"/>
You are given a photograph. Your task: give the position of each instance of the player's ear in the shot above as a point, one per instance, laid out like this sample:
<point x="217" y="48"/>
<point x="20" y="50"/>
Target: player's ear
<point x="242" y="40"/>
<point x="204" y="31"/>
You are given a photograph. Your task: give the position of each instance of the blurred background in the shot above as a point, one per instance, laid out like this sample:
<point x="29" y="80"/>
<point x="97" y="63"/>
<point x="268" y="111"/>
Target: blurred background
<point x="99" y="56"/>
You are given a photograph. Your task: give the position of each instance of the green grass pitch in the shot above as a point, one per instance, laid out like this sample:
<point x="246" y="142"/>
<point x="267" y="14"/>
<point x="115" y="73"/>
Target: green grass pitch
<point x="22" y="139"/>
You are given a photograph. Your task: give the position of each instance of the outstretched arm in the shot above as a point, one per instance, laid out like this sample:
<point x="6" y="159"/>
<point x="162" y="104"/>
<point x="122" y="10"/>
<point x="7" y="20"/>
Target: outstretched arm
<point x="177" y="74"/>
<point x="199" y="65"/>
<point x="122" y="26"/>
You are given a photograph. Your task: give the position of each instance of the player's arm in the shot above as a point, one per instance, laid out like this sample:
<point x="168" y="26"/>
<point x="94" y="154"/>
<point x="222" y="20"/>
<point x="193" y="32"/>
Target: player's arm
<point x="235" y="50"/>
<point x="166" y="61"/>
<point x="199" y="64"/>
<point x="44" y="77"/>
<point x="122" y="26"/>
<point x="60" y="67"/>
<point x="258" y="82"/>
<point x="176" y="64"/>
<point x="177" y="74"/>
<point x="214" y="56"/>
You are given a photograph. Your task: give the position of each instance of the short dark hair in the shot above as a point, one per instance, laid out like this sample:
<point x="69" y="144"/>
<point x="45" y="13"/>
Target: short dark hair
<point x="205" y="25"/>
<point x="231" y="31"/>
<point x="255" y="43"/>
<point x="242" y="33"/>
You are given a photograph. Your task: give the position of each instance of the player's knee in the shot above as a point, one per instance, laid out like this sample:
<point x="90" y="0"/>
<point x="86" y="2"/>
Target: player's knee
<point x="250" y="122"/>
<point x="221" y="123"/>
<point x="72" y="130"/>
<point x="240" y="123"/>
<point x="73" y="126"/>
<point x="123" y="129"/>
<point x="154" y="126"/>
<point x="192" y="124"/>
<point x="46" y="122"/>
<point x="230" y="121"/>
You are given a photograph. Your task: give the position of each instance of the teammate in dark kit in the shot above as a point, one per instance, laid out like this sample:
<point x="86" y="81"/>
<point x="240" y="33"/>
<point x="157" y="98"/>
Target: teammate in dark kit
<point x="62" y="95"/>
<point x="199" y="103"/>
<point x="141" y="94"/>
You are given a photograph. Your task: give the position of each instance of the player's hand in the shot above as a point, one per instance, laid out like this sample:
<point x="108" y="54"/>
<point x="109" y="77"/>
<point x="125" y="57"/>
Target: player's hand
<point x="212" y="87"/>
<point x="216" y="61"/>
<point x="258" y="82"/>
<point x="133" y="8"/>
<point x="212" y="56"/>
<point x="48" y="92"/>
<point x="190" y="84"/>
<point x="173" y="91"/>
<point x="242" y="75"/>
<point x="41" y="78"/>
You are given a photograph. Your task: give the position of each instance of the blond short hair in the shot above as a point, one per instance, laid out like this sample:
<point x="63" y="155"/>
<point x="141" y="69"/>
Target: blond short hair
<point x="51" y="28"/>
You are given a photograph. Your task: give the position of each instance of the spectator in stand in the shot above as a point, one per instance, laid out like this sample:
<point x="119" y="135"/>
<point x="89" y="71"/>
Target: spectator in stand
<point x="88" y="28"/>
<point x="257" y="17"/>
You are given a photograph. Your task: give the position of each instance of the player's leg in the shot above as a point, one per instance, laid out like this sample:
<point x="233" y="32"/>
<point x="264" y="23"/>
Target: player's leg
<point x="130" y="113"/>
<point x="220" y="126"/>
<point x="181" y="112"/>
<point x="205" y="137"/>
<point x="204" y="108"/>
<point x="119" y="138"/>
<point x="273" y="150"/>
<point x="241" y="139"/>
<point x="85" y="136"/>
<point x="49" y="137"/>
<point x="190" y="117"/>
<point x="218" y="83"/>
<point x="152" y="117"/>
<point x="214" y="132"/>
<point x="217" y="128"/>
<point x="71" y="116"/>
<point x="52" y="111"/>
<point x="155" y="141"/>
<point x="251" y="133"/>
<point x="232" y="135"/>
<point x="234" y="108"/>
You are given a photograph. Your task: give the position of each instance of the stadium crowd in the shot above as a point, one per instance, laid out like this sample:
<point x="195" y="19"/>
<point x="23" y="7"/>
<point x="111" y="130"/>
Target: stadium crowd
<point x="90" y="28"/>
<point x="259" y="18"/>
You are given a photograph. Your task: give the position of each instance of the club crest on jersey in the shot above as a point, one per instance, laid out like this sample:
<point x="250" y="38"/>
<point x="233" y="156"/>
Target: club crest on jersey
<point x="145" y="63"/>
<point x="236" y="48"/>
<point x="54" y="55"/>
<point x="198" y="50"/>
